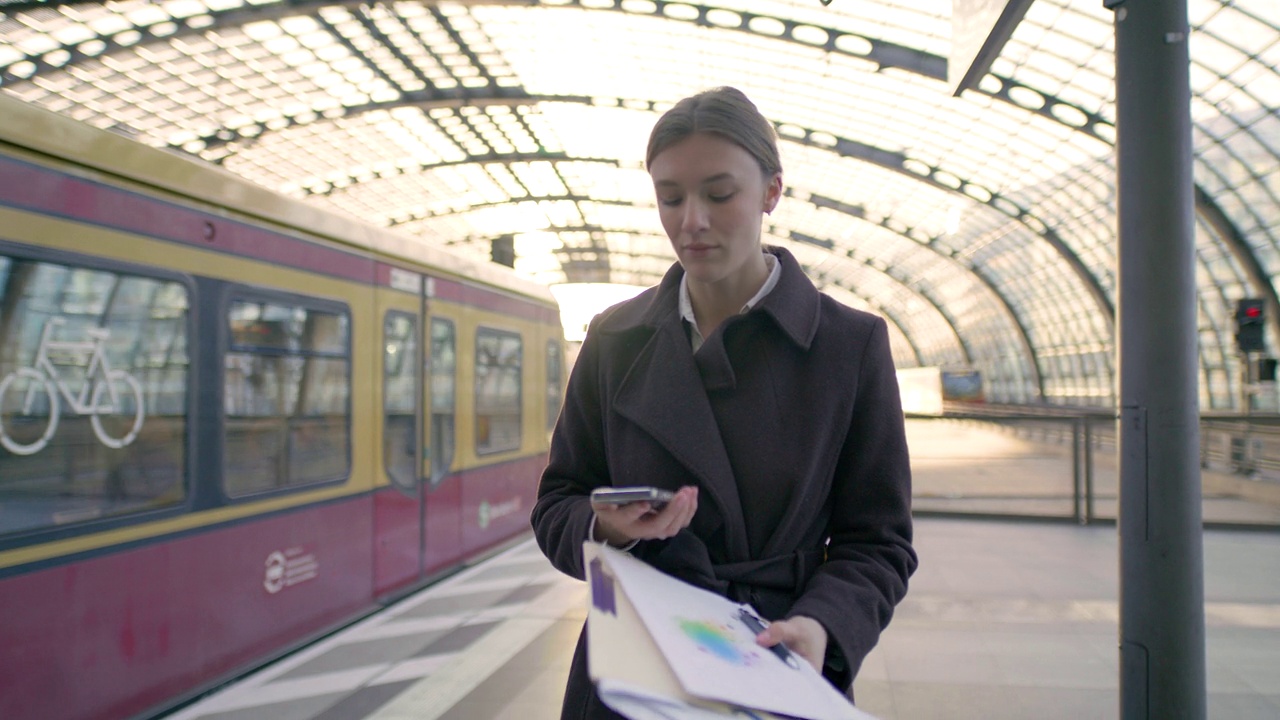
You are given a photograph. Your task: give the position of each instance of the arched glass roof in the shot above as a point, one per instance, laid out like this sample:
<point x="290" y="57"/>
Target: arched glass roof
<point x="982" y="227"/>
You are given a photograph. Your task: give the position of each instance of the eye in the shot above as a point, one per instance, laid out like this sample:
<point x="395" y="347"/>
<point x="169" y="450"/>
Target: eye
<point x="726" y="197"/>
<point x="671" y="201"/>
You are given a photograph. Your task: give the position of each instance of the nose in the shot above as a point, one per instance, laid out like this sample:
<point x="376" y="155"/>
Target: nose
<point x="694" y="218"/>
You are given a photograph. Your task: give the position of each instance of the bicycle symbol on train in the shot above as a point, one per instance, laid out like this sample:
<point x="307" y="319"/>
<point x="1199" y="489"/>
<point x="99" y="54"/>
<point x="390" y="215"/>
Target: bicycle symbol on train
<point x="106" y="392"/>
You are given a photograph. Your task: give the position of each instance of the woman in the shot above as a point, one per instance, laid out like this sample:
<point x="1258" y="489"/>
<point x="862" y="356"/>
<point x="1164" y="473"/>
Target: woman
<point x="771" y="409"/>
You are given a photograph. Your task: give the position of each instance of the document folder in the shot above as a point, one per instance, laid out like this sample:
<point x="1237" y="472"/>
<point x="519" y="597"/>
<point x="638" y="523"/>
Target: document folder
<point x="661" y="649"/>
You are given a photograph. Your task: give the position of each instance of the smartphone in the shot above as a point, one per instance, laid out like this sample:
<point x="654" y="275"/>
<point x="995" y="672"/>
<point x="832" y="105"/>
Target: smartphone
<point x="656" y="497"/>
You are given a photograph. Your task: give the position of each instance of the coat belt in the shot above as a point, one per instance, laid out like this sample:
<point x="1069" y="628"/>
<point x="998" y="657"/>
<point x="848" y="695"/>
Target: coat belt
<point x="780" y="572"/>
<point x="774" y="582"/>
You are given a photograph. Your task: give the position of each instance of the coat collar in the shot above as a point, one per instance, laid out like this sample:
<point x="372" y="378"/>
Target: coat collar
<point x="794" y="304"/>
<point x="664" y="390"/>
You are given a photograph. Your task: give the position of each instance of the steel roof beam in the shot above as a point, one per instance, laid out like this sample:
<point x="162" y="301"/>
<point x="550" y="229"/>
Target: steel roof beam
<point x="487" y="159"/>
<point x="427" y="99"/>
<point x="901" y="282"/>
<point x="1024" y="337"/>
<point x="846" y="148"/>
<point x="820" y="275"/>
<point x="571" y="197"/>
<point x="855" y="211"/>
<point x="883" y="53"/>
<point x="887" y="159"/>
<point x="887" y="54"/>
<point x="897" y="162"/>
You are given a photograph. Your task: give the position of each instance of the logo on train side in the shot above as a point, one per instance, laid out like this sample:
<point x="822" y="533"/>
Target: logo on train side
<point x="289" y="567"/>
<point x="488" y="513"/>
<point x="34" y="396"/>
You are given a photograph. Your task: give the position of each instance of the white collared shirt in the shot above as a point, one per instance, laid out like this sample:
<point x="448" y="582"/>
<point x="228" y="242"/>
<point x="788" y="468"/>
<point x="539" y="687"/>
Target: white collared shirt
<point x="686" y="302"/>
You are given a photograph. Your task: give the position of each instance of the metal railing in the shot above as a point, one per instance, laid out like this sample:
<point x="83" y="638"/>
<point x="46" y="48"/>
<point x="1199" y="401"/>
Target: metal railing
<point x="1060" y="463"/>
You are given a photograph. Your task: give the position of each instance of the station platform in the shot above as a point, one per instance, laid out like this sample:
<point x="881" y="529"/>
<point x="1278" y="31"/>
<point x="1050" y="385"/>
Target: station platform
<point x="1004" y="620"/>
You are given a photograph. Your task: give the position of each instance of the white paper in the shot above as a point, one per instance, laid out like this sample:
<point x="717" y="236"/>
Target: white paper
<point x="714" y="655"/>
<point x="639" y="704"/>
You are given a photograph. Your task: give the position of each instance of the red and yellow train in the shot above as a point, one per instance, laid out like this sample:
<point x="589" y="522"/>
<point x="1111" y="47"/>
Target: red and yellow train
<point x="230" y="422"/>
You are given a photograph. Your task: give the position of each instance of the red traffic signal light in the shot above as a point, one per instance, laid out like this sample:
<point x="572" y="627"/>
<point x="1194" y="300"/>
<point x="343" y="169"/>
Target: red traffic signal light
<point x="1249" y="325"/>
<point x="1250" y="310"/>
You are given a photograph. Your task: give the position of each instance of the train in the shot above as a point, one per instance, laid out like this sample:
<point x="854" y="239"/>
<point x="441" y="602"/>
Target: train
<point x="231" y="422"/>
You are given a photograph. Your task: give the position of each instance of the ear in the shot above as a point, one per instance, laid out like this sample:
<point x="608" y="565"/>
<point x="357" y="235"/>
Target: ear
<point x="772" y="193"/>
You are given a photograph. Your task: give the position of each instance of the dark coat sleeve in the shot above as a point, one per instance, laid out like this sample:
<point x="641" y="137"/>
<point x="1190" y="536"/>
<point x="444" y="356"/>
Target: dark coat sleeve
<point x="869" y="555"/>
<point x="562" y="513"/>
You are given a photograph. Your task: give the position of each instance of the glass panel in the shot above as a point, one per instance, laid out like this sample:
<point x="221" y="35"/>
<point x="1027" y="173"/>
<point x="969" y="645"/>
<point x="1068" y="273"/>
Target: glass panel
<point x="499" y="360"/>
<point x="554" y="383"/>
<point x="400" y="398"/>
<point x="260" y="326"/>
<point x="325" y="333"/>
<point x="286" y="401"/>
<point x="271" y="326"/>
<point x="93" y="394"/>
<point x="444" y="374"/>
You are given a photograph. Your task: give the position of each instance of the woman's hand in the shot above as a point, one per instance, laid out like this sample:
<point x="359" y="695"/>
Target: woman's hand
<point x="803" y="635"/>
<point x="621" y="524"/>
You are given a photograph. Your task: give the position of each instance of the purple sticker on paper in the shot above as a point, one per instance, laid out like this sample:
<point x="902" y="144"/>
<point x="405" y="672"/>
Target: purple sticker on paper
<point x="603" y="597"/>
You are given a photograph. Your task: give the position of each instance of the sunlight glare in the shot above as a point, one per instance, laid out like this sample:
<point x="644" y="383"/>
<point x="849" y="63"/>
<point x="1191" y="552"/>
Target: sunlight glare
<point x="579" y="302"/>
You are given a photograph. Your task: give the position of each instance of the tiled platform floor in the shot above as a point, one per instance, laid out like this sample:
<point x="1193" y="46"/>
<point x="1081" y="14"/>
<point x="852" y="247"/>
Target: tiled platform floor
<point x="1004" y="620"/>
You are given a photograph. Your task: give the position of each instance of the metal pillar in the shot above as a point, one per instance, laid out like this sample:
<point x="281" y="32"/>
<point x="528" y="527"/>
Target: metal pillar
<point x="1162" y="634"/>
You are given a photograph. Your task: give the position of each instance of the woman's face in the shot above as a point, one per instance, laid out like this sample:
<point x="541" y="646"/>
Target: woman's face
<point x="711" y="198"/>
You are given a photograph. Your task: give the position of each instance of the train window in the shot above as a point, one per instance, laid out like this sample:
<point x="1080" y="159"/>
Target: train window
<point x="554" y="384"/>
<point x="93" y="393"/>
<point x="444" y="372"/>
<point x="499" y="359"/>
<point x="400" y="399"/>
<point x="288" y="382"/>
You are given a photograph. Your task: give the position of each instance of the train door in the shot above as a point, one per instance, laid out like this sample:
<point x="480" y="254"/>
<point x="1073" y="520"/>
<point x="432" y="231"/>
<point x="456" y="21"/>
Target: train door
<point x="442" y="528"/>
<point x="398" y="504"/>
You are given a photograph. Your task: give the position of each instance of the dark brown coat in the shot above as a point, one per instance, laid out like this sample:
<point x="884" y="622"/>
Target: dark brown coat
<point x="788" y="420"/>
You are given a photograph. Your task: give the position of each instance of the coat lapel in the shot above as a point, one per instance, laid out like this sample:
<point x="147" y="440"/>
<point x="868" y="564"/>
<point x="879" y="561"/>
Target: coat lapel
<point x="662" y="393"/>
<point x="796" y="307"/>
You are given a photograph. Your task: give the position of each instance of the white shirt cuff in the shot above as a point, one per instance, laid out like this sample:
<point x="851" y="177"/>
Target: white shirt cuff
<point x="591" y="535"/>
